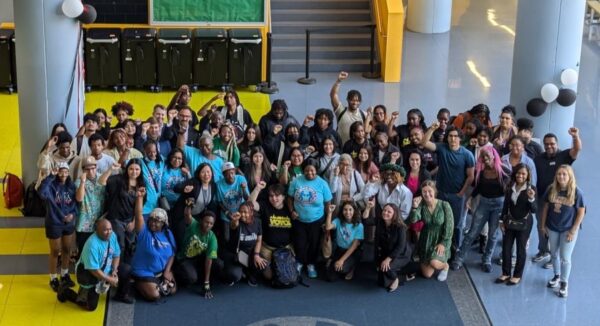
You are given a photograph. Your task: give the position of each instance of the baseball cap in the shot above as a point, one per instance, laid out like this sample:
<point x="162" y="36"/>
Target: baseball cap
<point x="227" y="166"/>
<point x="90" y="160"/>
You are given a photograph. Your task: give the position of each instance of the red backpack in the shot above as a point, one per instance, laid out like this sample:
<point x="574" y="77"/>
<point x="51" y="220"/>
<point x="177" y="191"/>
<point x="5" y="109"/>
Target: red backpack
<point x="12" y="188"/>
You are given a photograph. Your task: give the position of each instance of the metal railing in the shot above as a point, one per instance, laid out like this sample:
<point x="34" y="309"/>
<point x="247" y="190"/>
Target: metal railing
<point x="371" y="74"/>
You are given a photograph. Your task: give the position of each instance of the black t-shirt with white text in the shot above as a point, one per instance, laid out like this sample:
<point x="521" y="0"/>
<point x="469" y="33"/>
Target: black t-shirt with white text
<point x="277" y="225"/>
<point x="247" y="235"/>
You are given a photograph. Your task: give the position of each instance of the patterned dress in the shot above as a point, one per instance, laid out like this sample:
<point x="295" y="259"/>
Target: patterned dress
<point x="438" y="228"/>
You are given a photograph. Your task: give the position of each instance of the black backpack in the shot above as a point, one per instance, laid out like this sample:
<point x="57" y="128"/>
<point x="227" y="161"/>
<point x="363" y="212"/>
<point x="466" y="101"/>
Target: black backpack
<point x="33" y="204"/>
<point x="285" y="274"/>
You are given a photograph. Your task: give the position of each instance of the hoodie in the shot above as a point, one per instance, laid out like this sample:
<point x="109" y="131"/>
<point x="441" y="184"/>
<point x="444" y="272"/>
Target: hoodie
<point x="60" y="200"/>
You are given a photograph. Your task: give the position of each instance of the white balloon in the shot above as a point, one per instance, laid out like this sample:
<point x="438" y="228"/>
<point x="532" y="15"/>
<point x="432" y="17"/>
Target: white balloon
<point x="549" y="92"/>
<point x="569" y="76"/>
<point x="72" y="8"/>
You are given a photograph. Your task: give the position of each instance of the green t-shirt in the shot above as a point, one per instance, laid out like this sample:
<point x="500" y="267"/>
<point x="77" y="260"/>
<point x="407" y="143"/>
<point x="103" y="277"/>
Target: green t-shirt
<point x="195" y="243"/>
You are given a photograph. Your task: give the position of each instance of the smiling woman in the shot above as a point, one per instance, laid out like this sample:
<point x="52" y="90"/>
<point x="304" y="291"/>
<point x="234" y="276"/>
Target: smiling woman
<point x="309" y="196"/>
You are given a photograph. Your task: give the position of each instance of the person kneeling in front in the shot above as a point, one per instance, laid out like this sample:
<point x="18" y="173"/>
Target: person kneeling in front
<point x="97" y="268"/>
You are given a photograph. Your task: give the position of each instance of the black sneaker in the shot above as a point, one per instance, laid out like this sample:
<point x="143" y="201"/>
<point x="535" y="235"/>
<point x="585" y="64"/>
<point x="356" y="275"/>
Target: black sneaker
<point x="540" y="256"/>
<point x="487" y="268"/>
<point x="54" y="284"/>
<point x="66" y="281"/>
<point x="563" y="292"/>
<point x="252" y="281"/>
<point x="125" y="298"/>
<point x="554" y="282"/>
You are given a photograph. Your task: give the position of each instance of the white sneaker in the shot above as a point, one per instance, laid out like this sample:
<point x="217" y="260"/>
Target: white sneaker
<point x="443" y="275"/>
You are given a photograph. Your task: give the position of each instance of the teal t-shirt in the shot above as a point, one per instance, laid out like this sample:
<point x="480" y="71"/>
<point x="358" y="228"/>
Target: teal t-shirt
<point x="194" y="158"/>
<point x="170" y="179"/>
<point x="346" y="233"/>
<point x="95" y="252"/>
<point x="309" y="197"/>
<point x="152" y="172"/>
<point x="231" y="196"/>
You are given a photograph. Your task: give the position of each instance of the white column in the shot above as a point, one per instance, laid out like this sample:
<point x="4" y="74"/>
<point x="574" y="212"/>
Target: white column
<point x="429" y="16"/>
<point x="548" y="40"/>
<point x="46" y="46"/>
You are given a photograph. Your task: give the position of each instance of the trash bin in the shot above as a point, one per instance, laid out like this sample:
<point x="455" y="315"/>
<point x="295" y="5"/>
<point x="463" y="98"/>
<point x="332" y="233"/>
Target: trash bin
<point x="174" y="57"/>
<point x="103" y="58"/>
<point x="138" y="57"/>
<point x="8" y="76"/>
<point x="210" y="57"/>
<point x="245" y="57"/>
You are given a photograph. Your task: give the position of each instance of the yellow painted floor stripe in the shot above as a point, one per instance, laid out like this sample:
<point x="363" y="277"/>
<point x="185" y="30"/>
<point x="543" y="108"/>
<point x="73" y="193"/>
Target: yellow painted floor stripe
<point x="143" y="102"/>
<point x="28" y="300"/>
<point x="25" y="241"/>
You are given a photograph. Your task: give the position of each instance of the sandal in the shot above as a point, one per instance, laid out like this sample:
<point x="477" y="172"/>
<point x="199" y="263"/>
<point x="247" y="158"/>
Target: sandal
<point x="502" y="279"/>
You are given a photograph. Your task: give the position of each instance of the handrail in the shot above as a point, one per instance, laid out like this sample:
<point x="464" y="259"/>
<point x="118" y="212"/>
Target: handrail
<point x="307" y="80"/>
<point x="389" y="17"/>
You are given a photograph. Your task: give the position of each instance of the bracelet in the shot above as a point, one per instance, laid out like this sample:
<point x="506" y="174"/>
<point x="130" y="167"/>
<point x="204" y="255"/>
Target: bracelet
<point x="256" y="254"/>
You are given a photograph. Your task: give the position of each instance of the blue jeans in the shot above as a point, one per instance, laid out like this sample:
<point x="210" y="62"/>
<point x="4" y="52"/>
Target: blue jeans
<point x="457" y="204"/>
<point x="561" y="251"/>
<point x="488" y="211"/>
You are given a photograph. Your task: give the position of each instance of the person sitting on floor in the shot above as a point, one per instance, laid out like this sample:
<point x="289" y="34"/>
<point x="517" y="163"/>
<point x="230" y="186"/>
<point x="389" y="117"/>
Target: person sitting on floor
<point x="393" y="252"/>
<point x="349" y="233"/>
<point x="154" y="254"/>
<point x="197" y="255"/>
<point x="97" y="268"/>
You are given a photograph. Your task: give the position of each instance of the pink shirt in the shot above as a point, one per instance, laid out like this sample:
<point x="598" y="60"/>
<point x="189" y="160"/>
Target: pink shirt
<point x="412" y="183"/>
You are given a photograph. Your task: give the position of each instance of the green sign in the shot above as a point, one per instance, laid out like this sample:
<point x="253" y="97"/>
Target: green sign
<point x="207" y="11"/>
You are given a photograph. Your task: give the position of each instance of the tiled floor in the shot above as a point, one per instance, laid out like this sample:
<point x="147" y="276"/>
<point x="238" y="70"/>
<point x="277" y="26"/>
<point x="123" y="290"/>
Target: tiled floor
<point x="23" y="241"/>
<point x="436" y="74"/>
<point x="28" y="300"/>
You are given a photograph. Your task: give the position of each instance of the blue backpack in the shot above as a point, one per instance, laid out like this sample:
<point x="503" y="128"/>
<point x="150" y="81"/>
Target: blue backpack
<point x="285" y="274"/>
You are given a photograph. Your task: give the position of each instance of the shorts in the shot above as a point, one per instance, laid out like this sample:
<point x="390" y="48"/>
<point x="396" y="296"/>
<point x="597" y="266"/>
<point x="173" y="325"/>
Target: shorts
<point x="54" y="232"/>
<point x="266" y="251"/>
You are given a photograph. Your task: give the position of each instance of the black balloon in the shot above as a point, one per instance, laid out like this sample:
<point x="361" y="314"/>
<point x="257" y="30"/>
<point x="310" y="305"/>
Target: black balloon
<point x="88" y="15"/>
<point x="566" y="97"/>
<point x="536" y="107"/>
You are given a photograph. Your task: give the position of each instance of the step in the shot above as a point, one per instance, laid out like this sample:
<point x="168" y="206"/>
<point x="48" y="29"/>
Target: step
<point x="328" y="15"/>
<point x="317" y="39"/>
<point x="321" y="65"/>
<point x="336" y="27"/>
<point x="322" y="52"/>
<point x="320" y="4"/>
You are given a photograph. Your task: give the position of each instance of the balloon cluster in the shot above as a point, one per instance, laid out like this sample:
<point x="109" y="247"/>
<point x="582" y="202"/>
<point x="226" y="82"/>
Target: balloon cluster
<point x="551" y="93"/>
<point x="75" y="9"/>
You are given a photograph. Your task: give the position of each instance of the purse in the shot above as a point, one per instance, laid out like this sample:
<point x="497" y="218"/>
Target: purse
<point x="515" y="224"/>
<point x="241" y="256"/>
<point x="326" y="245"/>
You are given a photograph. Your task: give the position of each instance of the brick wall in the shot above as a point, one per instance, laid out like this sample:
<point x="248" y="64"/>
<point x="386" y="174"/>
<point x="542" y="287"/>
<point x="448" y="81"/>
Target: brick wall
<point x="121" y="11"/>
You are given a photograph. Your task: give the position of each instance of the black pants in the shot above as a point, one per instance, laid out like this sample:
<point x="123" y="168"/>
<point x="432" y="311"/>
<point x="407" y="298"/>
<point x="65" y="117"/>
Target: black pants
<point x="85" y="298"/>
<point x="349" y="264"/>
<point x="126" y="240"/>
<point x="233" y="270"/>
<point x="507" y="245"/>
<point x="80" y="239"/>
<point x="397" y="268"/>
<point x="189" y="270"/>
<point x="306" y="240"/>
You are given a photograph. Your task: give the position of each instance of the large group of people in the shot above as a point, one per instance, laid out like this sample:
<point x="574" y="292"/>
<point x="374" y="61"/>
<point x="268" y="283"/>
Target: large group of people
<point x="208" y="196"/>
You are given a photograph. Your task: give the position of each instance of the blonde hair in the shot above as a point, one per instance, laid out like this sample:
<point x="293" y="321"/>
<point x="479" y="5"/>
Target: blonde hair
<point x="571" y="186"/>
